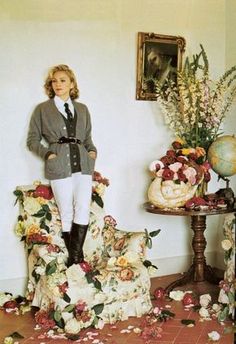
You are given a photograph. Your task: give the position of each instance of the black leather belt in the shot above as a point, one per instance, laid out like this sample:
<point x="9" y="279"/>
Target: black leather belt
<point x="64" y="139"/>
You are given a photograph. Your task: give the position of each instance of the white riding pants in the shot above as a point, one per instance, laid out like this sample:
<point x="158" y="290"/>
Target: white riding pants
<point x="73" y="198"/>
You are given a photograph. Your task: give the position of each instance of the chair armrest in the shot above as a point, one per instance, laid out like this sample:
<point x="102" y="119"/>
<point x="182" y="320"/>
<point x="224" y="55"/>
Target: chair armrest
<point x="118" y="242"/>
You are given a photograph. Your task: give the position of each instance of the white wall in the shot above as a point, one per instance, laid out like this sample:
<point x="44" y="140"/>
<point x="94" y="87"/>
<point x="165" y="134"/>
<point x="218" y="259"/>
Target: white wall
<point x="97" y="38"/>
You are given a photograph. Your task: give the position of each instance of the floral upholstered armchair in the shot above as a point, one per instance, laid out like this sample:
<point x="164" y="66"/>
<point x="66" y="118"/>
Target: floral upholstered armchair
<point x="112" y="284"/>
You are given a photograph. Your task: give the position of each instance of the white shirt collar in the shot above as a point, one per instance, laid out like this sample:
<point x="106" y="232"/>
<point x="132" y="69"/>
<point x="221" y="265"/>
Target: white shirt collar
<point x="60" y="105"/>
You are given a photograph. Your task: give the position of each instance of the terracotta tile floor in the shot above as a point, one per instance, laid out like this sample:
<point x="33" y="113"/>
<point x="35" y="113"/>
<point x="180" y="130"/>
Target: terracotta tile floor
<point x="173" y="332"/>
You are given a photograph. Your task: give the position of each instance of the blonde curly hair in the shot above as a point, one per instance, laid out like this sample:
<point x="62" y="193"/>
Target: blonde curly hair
<point x="74" y="92"/>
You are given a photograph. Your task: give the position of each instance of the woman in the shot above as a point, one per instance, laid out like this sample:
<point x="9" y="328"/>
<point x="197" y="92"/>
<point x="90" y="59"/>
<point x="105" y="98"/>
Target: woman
<point x="69" y="156"/>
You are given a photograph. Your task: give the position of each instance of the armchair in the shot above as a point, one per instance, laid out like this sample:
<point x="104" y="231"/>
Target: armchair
<point x="111" y="285"/>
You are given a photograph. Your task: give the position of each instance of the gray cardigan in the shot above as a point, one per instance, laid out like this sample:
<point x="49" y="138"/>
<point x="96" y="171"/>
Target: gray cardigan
<point x="47" y="123"/>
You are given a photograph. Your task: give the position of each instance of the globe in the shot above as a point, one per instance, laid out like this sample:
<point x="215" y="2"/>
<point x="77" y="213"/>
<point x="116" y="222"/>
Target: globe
<point x="222" y="155"/>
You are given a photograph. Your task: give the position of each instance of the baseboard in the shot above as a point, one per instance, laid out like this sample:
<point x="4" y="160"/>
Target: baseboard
<point x="16" y="286"/>
<point x="179" y="264"/>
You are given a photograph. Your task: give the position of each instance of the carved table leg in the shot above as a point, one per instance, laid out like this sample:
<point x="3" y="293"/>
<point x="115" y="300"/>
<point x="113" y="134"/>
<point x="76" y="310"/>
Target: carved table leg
<point x="199" y="270"/>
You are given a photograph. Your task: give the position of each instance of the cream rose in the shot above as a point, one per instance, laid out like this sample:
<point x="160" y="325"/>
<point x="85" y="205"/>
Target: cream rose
<point x="131" y="256"/>
<point x="226" y="244"/>
<point x="31" y="205"/>
<point x="177" y="295"/>
<point x="203" y="312"/>
<point x="205" y="299"/>
<point x="72" y="326"/>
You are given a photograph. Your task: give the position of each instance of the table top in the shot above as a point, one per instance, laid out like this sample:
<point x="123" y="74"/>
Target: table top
<point x="182" y="212"/>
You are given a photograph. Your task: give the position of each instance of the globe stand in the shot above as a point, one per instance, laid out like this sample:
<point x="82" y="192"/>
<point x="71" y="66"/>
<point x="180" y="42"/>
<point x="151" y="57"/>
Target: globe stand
<point x="226" y="193"/>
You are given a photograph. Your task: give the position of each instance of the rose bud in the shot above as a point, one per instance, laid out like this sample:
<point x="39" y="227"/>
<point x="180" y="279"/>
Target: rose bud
<point x="188" y="299"/>
<point x="10" y="304"/>
<point x="171" y="153"/>
<point x="159" y="293"/>
<point x="177" y="145"/>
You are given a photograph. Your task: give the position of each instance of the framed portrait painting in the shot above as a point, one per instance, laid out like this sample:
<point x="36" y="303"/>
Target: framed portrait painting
<point x="159" y="57"/>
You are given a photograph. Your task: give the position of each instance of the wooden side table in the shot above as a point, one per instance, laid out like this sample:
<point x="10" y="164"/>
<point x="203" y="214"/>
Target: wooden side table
<point x="199" y="270"/>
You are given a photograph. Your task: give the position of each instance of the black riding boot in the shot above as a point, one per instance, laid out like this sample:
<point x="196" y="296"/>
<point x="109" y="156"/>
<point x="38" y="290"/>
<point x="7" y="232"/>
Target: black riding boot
<point x="77" y="238"/>
<point x="66" y="238"/>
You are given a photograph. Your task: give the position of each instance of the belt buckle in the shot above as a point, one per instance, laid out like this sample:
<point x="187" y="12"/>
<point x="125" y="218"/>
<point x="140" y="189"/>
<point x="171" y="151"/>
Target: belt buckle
<point x="73" y="140"/>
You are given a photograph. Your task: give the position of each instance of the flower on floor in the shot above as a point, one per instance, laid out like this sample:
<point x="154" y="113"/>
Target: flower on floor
<point x="214" y="336"/>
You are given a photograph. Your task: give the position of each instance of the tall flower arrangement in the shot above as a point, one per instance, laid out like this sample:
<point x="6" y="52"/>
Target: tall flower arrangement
<point x="195" y="106"/>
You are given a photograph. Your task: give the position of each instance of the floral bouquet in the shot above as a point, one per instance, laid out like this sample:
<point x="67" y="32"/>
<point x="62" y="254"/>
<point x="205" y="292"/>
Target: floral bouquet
<point x="99" y="185"/>
<point x="195" y="106"/>
<point x="178" y="175"/>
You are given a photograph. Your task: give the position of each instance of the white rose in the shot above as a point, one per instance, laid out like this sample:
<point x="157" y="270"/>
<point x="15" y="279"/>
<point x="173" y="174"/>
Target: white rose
<point x="203" y="312"/>
<point x="131" y="257"/>
<point x="4" y="298"/>
<point x="72" y="326"/>
<point x="75" y="275"/>
<point x="8" y="340"/>
<point x="226" y="244"/>
<point x="177" y="295"/>
<point x="111" y="262"/>
<point x="214" y="335"/>
<point x="31" y="205"/>
<point x="205" y="299"/>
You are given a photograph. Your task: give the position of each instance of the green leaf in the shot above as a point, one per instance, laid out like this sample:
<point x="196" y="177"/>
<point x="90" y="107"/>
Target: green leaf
<point x="36" y="276"/>
<point x="154" y="233"/>
<point x="69" y="308"/>
<point x="51" y="267"/>
<point x="48" y="216"/>
<point x="46" y="208"/>
<point x="147" y="263"/>
<point x="98" y="308"/>
<point x="60" y="323"/>
<point x="72" y="336"/>
<point x="66" y="298"/>
<point x="97" y="284"/>
<point x="187" y="322"/>
<point x="57" y="316"/>
<point x="40" y="213"/>
<point x="16" y="335"/>
<point x="96" y="198"/>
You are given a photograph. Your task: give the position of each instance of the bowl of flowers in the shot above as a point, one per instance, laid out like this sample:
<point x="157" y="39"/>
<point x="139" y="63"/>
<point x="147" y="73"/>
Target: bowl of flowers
<point x="178" y="175"/>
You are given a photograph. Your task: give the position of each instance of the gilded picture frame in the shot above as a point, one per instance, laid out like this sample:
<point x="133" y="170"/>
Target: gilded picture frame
<point x="158" y="57"/>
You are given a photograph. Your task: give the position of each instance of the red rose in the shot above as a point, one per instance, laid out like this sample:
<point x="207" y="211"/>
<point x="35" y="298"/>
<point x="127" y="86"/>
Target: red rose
<point x="188" y="299"/>
<point x="167" y="160"/>
<point x="159" y="293"/>
<point x="43" y="191"/>
<point x="168" y="174"/>
<point x="171" y="153"/>
<point x="181" y="176"/>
